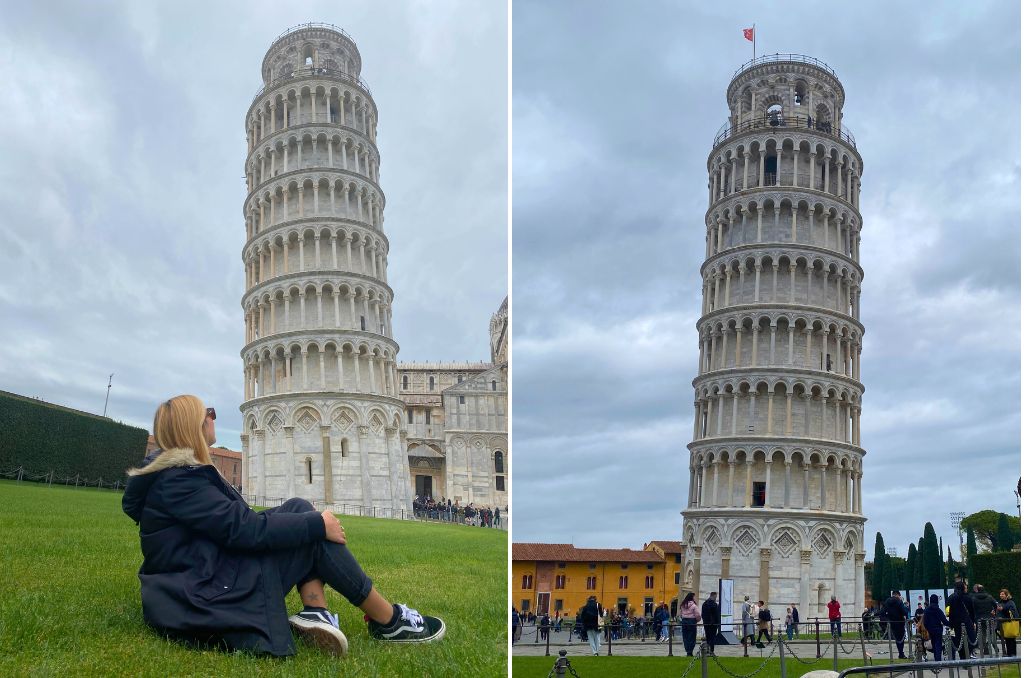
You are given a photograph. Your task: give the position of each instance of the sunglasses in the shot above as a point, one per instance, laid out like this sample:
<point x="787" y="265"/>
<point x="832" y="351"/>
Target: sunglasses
<point x="211" y="413"/>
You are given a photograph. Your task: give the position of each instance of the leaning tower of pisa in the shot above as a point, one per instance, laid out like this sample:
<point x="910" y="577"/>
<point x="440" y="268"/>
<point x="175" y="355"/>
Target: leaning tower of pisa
<point x="321" y="415"/>
<point x="775" y="463"/>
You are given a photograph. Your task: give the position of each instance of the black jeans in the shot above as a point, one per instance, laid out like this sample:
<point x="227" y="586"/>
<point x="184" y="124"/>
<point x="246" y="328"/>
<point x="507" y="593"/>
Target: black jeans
<point x="763" y="632"/>
<point x="898" y="631"/>
<point x="710" y="634"/>
<point x="689" y="628"/>
<point x="325" y="560"/>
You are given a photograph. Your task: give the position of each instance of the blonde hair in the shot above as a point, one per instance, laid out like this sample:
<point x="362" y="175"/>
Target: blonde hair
<point x="178" y="422"/>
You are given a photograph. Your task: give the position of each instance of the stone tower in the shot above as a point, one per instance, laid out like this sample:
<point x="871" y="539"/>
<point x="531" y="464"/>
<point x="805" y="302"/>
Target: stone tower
<point x="775" y="462"/>
<point x="322" y="419"/>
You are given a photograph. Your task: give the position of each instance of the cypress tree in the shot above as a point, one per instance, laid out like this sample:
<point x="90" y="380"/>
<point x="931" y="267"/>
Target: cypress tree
<point x="919" y="569"/>
<point x="950" y="568"/>
<point x="972" y="550"/>
<point x="1003" y="535"/>
<point x="878" y="580"/>
<point x="932" y="559"/>
<point x="910" y="581"/>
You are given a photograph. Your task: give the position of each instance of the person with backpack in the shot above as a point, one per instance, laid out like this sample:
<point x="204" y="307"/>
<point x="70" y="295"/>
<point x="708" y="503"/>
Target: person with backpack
<point x="712" y="615"/>
<point x="932" y="622"/>
<point x="764" y="623"/>
<point x="591" y="616"/>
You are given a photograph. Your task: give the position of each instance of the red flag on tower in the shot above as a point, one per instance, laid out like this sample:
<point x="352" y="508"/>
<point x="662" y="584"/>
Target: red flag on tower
<point x="748" y="33"/>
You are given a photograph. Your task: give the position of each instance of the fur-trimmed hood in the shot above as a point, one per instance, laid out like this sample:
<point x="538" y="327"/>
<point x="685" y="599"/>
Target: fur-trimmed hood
<point x="161" y="459"/>
<point x="142" y="478"/>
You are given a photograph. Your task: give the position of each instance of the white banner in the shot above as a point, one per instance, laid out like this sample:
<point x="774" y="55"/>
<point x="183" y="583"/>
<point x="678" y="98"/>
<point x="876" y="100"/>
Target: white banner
<point x="725" y="600"/>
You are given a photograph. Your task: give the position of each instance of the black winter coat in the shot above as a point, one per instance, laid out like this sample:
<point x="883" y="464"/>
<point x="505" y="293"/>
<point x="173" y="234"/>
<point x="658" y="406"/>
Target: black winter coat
<point x="961" y="612"/>
<point x="590" y="616"/>
<point x="711" y="613"/>
<point x="208" y="571"/>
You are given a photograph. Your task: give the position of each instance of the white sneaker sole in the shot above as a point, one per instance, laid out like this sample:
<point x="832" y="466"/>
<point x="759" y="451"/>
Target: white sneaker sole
<point x="324" y="636"/>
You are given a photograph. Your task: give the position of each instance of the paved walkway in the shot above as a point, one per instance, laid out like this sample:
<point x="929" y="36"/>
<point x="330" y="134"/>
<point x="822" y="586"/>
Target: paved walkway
<point x="805" y="649"/>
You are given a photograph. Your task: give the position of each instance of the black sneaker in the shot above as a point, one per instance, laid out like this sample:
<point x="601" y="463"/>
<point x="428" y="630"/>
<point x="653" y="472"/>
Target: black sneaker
<point x="411" y="627"/>
<point x="321" y="629"/>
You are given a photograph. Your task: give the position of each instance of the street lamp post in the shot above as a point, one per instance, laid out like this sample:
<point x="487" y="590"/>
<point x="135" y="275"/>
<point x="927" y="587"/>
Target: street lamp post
<point x="110" y="381"/>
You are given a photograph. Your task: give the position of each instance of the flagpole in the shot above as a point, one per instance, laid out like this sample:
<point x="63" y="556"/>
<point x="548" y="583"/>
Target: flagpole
<point x="754" y="31"/>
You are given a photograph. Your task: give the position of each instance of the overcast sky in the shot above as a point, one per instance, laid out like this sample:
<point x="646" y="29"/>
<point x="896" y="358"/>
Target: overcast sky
<point x="121" y="188"/>
<point x="614" y="109"/>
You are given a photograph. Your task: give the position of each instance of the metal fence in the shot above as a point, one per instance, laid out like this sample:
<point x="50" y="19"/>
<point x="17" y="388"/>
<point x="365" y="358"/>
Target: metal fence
<point x="781" y="122"/>
<point x="855" y="638"/>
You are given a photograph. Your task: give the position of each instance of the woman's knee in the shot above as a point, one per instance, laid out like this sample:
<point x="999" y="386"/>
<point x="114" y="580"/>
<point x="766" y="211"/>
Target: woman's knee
<point x="297" y="505"/>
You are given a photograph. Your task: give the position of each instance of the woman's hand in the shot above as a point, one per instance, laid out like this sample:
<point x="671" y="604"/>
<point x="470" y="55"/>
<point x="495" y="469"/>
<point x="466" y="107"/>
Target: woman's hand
<point x="335" y="532"/>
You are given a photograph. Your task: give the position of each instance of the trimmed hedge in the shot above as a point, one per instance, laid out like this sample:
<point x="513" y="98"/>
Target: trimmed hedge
<point x="997" y="571"/>
<point x="43" y="437"/>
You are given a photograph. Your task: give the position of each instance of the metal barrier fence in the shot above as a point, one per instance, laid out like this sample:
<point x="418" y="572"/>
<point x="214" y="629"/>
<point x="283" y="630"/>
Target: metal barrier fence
<point x="20" y="474"/>
<point x="643" y="632"/>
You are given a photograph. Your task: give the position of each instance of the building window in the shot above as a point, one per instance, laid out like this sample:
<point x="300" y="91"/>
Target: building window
<point x="625" y="566"/>
<point x="405" y="382"/>
<point x="591" y="583"/>
<point x="344" y="447"/>
<point x="624" y="581"/>
<point x="561" y="566"/>
<point x="524" y="605"/>
<point x="679" y="557"/>
<point x="560" y="581"/>
<point x="499" y="483"/>
<point x="499" y="467"/>
<point x="592" y="566"/>
<point x="362" y="322"/>
<point x="648" y="606"/>
<point x="309" y="471"/>
<point x="527" y="581"/>
<point x="649" y="581"/>
<point x="758" y="498"/>
<point x="460" y="378"/>
<point x="677" y="579"/>
<point x="409" y="415"/>
<point x="650" y="566"/>
<point x="494" y="385"/>
<point x="431" y="383"/>
<point x="558" y="605"/>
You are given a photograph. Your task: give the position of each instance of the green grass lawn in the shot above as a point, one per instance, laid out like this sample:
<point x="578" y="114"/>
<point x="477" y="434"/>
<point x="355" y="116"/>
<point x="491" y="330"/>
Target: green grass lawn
<point x="673" y="667"/>
<point x="69" y="596"/>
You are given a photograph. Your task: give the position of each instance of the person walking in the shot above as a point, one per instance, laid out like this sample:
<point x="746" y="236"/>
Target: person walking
<point x="985" y="615"/>
<point x="764" y="623"/>
<point x="896" y="617"/>
<point x="545" y="626"/>
<point x="933" y="620"/>
<point x="961" y="618"/>
<point x="748" y="624"/>
<point x="689" y="617"/>
<point x="796" y="620"/>
<point x="835" y="618"/>
<point x="515" y="624"/>
<point x="1006" y="610"/>
<point x="215" y="571"/>
<point x="711" y="613"/>
<point x="789" y="623"/>
<point x="590" y="616"/>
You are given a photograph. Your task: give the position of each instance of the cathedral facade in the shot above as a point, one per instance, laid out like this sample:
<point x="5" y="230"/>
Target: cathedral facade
<point x="457" y="424"/>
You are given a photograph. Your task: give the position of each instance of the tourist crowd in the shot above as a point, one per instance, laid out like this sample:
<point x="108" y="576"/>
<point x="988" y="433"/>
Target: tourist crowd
<point x="451" y="512"/>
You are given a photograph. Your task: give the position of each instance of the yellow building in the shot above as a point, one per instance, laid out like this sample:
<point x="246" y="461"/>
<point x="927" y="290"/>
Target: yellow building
<point x="560" y="577"/>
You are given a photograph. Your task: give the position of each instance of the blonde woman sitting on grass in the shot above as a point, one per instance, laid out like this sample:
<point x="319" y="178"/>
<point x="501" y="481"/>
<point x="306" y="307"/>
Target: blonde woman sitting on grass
<point x="216" y="571"/>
